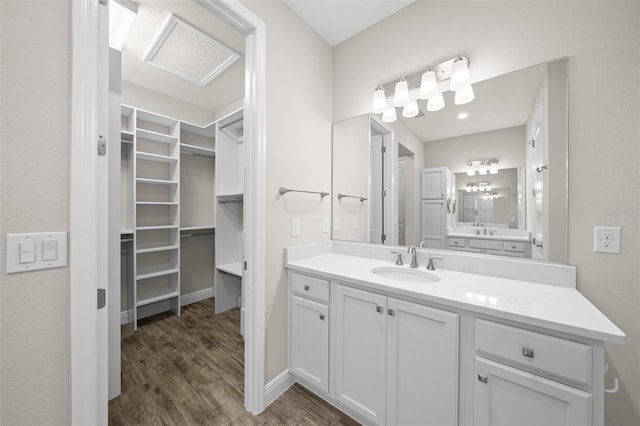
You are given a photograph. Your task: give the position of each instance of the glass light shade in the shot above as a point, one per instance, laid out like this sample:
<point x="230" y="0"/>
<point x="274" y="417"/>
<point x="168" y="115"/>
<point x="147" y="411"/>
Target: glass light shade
<point x="429" y="85"/>
<point x="122" y="13"/>
<point x="401" y="94"/>
<point x="389" y="115"/>
<point x="482" y="170"/>
<point x="467" y="188"/>
<point x="379" y="103"/>
<point x="464" y="96"/>
<point x="471" y="171"/>
<point x="460" y="76"/>
<point x="493" y="168"/>
<point x="436" y="103"/>
<point x="488" y="188"/>
<point x="410" y="109"/>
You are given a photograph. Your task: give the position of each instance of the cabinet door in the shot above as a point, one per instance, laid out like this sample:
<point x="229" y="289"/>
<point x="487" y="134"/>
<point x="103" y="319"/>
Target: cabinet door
<point x="433" y="184"/>
<point x="422" y="365"/>
<point x="361" y="352"/>
<point x="432" y="223"/>
<point x="309" y="342"/>
<point x="508" y="396"/>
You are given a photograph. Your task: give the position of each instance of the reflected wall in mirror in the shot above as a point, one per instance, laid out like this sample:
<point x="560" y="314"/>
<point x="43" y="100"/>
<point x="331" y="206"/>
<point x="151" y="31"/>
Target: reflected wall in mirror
<point x="518" y="119"/>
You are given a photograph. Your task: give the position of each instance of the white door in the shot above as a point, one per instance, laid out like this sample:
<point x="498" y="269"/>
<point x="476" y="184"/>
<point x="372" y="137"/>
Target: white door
<point x="422" y="365"/>
<point x="433" y="184"/>
<point x="432" y="223"/>
<point x="401" y="200"/>
<point x="361" y="352"/>
<point x="376" y="189"/>
<point x="508" y="396"/>
<point x="485" y="211"/>
<point x="310" y="341"/>
<point x="538" y="176"/>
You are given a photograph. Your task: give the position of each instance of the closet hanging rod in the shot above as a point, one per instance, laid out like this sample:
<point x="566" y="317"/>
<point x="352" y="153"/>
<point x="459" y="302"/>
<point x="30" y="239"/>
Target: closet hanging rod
<point x="285" y="190"/>
<point x="128" y="240"/>
<point x="231" y="123"/>
<point x="199" y="234"/>
<point x="341" y="196"/>
<point x="229" y="201"/>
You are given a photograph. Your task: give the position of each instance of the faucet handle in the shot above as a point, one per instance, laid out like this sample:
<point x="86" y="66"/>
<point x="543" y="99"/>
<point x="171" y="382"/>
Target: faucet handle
<point x="430" y="265"/>
<point x="399" y="259"/>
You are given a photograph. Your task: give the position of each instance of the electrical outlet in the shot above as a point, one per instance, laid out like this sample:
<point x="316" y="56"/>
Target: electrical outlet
<point x="356" y="223"/>
<point x="295" y="228"/>
<point x="325" y="225"/>
<point x="606" y="239"/>
<point x="336" y="224"/>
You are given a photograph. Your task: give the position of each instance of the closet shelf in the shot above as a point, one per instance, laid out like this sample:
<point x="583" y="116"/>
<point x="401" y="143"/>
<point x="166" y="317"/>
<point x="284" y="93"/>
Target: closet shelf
<point x="156" y="181"/>
<point x="156" y="227"/>
<point x="197" y="228"/>
<point x="230" y="197"/>
<point x="126" y="137"/>
<point x="156" y="296"/>
<point x="155" y="136"/>
<point x="155" y="157"/>
<point x="156" y="271"/>
<point x="126" y="231"/>
<point x="156" y="203"/>
<point x="196" y="150"/>
<point x="231" y="268"/>
<point x="155" y="247"/>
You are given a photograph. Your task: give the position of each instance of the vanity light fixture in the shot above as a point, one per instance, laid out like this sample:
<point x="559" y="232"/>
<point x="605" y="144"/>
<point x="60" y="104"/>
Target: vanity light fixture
<point x="493" y="167"/>
<point x="427" y="85"/>
<point x="379" y="104"/>
<point x="410" y="109"/>
<point x="482" y="170"/>
<point x="389" y="115"/>
<point x="478" y="187"/>
<point x="482" y="167"/>
<point x="401" y="94"/>
<point x="122" y="14"/>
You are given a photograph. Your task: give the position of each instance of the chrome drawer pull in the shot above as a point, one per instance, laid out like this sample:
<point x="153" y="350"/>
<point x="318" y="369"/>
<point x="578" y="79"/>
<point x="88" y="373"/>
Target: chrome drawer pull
<point x="391" y="312"/>
<point x="306" y="288"/>
<point x="528" y="352"/>
<point x="379" y="309"/>
<point x="483" y="378"/>
<point x="322" y="316"/>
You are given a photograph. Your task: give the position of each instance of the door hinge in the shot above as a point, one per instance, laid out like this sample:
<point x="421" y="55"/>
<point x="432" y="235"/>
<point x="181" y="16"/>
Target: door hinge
<point x="245" y="265"/>
<point x="383" y="193"/>
<point x="383" y="149"/>
<point x="102" y="146"/>
<point x="103" y="2"/>
<point x="383" y="238"/>
<point x="102" y="298"/>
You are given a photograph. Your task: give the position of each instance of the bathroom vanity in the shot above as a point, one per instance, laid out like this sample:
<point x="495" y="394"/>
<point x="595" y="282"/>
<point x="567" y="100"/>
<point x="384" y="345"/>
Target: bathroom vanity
<point x="465" y="344"/>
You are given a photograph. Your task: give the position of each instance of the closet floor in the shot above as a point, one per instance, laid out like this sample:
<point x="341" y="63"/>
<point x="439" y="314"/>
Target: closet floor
<point x="189" y="370"/>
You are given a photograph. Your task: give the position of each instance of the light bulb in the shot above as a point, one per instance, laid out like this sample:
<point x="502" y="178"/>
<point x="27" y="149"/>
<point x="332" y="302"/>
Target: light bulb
<point x="389" y="115"/>
<point x="471" y="171"/>
<point x="482" y="170"/>
<point x="464" y="96"/>
<point x="460" y="76"/>
<point x="493" y="168"/>
<point x="436" y="103"/>
<point x="379" y="103"/>
<point x="401" y="94"/>
<point x="429" y="85"/>
<point x="410" y="109"/>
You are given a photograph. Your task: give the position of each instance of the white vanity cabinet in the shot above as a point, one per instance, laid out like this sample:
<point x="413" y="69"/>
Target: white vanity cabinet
<point x="533" y="379"/>
<point x="396" y="361"/>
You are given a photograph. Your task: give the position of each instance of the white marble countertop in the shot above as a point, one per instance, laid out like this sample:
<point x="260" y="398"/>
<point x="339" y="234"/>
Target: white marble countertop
<point x="496" y="237"/>
<point x="557" y="308"/>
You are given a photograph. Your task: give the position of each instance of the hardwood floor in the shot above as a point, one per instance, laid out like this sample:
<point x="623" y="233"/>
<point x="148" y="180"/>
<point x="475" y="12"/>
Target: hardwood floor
<point x="189" y="370"/>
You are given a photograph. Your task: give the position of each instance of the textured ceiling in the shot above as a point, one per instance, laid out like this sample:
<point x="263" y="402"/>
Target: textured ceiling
<point x="188" y="52"/>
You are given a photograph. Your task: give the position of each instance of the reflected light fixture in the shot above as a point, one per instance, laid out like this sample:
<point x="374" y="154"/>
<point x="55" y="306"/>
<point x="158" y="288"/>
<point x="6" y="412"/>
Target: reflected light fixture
<point x="410" y="109"/>
<point x="464" y="96"/>
<point x="122" y="14"/>
<point x="493" y="167"/>
<point x="401" y="94"/>
<point x="482" y="170"/>
<point x="429" y="85"/>
<point x="436" y="103"/>
<point x="379" y="103"/>
<point x="389" y="115"/>
<point x="482" y="167"/>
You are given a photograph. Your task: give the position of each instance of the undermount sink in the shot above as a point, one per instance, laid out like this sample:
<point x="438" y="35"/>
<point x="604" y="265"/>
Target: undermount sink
<point x="405" y="274"/>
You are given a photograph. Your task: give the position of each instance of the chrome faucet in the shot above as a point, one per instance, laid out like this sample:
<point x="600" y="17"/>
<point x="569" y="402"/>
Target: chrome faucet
<point x="484" y="229"/>
<point x="414" y="254"/>
<point x="399" y="258"/>
<point x="421" y="244"/>
<point x="430" y="265"/>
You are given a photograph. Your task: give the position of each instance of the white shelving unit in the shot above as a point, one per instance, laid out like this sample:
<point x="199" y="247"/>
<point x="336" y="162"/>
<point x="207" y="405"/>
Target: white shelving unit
<point x="156" y="215"/>
<point x="229" y="212"/>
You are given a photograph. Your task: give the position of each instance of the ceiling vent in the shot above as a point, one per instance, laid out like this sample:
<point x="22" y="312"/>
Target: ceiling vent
<point x="188" y="52"/>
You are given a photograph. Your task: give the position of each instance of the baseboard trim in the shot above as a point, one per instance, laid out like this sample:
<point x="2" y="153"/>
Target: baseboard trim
<point x="185" y="299"/>
<point x="278" y="386"/>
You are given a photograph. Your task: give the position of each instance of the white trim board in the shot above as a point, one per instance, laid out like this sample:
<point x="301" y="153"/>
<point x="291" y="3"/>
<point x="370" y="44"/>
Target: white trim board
<point x="279" y="385"/>
<point x="185" y="299"/>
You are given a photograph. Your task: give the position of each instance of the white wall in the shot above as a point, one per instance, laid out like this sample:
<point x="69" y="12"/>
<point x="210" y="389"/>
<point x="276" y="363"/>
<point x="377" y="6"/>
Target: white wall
<point x="34" y="172"/>
<point x="505" y="145"/>
<point x="298" y="154"/>
<point x="604" y="129"/>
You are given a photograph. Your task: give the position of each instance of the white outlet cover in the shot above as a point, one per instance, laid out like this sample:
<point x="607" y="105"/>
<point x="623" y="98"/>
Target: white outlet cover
<point x="336" y="224"/>
<point x="325" y="225"/>
<point x="356" y="223"/>
<point x="295" y="228"/>
<point x="606" y="239"/>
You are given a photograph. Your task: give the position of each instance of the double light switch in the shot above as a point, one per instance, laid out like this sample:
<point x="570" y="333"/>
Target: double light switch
<point x="33" y="251"/>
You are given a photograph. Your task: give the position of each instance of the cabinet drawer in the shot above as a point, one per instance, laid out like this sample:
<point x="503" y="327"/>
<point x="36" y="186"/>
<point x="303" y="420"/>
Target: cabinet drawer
<point x="310" y="287"/>
<point x="505" y="253"/>
<point x="512" y="246"/>
<point x="456" y="242"/>
<point x="485" y="244"/>
<point x="562" y="358"/>
<point x="467" y="250"/>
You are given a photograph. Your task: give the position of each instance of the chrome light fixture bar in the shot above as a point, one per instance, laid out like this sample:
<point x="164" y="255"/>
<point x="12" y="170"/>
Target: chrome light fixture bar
<point x="427" y="84"/>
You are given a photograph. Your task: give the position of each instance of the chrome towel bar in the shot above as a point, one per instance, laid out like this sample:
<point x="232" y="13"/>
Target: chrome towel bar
<point x="285" y="190"/>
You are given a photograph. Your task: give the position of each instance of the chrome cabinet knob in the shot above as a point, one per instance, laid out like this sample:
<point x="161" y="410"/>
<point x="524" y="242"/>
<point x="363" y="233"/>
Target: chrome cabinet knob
<point x="379" y="309"/>
<point x="322" y="316"/>
<point x="528" y="352"/>
<point x="483" y="378"/>
<point x="306" y="288"/>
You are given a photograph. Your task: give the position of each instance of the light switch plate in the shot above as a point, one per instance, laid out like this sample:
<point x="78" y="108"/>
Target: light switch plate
<point x="336" y="224"/>
<point x="356" y="223"/>
<point x="325" y="225"/>
<point x="19" y="245"/>
<point x="295" y="228"/>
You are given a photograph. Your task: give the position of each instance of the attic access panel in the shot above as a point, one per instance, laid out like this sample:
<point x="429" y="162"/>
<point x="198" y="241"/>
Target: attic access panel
<point x="189" y="53"/>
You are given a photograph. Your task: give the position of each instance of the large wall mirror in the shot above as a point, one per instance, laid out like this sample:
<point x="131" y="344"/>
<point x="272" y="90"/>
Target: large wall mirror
<point x="417" y="180"/>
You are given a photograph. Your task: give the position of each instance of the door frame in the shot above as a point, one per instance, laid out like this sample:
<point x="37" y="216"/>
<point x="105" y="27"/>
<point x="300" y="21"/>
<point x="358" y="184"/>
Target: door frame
<point x="88" y="384"/>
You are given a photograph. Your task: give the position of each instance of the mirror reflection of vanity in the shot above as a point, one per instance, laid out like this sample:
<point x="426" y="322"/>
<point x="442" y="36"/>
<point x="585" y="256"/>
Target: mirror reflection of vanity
<point x="517" y="209"/>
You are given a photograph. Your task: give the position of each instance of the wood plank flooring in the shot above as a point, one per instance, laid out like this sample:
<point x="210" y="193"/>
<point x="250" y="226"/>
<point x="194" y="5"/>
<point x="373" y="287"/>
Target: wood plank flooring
<point x="189" y="370"/>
